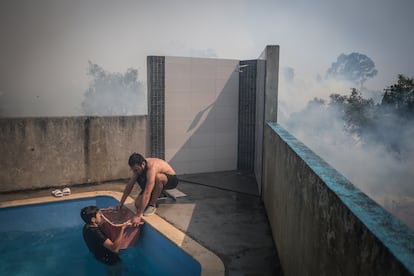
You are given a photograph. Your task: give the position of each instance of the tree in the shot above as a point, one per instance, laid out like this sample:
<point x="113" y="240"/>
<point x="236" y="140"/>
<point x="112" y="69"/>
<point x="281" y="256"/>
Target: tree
<point x="358" y="112"/>
<point x="399" y="97"/>
<point x="351" y="118"/>
<point x="387" y="123"/>
<point x="355" y="67"/>
<point x="113" y="93"/>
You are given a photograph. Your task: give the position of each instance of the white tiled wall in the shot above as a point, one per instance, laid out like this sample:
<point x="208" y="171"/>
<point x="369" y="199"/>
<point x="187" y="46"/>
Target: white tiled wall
<point x="201" y="114"/>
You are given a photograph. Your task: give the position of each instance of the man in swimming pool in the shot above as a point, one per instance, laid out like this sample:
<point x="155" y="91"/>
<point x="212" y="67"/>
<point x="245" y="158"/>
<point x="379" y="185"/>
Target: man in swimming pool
<point x="153" y="175"/>
<point x="104" y="249"/>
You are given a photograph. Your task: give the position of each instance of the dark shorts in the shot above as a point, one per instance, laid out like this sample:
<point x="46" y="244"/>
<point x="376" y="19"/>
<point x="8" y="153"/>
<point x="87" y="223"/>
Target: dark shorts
<point x="172" y="182"/>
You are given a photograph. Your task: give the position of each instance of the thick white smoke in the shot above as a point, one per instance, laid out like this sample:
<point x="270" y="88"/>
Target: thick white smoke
<point x="383" y="175"/>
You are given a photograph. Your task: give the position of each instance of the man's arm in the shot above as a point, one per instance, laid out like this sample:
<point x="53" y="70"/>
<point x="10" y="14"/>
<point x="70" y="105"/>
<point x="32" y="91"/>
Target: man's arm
<point x="146" y="195"/>
<point x="127" y="190"/>
<point x="115" y="245"/>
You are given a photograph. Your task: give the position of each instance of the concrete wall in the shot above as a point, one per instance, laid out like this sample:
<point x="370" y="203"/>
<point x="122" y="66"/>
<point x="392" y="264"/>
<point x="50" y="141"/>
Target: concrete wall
<point x="201" y="114"/>
<point x="321" y="223"/>
<point x="266" y="101"/>
<point x="58" y="151"/>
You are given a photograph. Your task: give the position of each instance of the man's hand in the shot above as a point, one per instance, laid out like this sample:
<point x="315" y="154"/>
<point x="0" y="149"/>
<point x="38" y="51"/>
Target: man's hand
<point x="125" y="225"/>
<point x="135" y="221"/>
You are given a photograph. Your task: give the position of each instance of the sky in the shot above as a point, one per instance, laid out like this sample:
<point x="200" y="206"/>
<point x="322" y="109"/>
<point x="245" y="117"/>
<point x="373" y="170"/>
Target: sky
<point x="46" y="44"/>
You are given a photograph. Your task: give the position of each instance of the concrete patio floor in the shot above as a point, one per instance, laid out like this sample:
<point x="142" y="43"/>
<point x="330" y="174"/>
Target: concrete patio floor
<point x="221" y="211"/>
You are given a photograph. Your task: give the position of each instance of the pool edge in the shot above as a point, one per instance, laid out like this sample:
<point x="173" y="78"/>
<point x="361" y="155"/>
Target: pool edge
<point x="210" y="263"/>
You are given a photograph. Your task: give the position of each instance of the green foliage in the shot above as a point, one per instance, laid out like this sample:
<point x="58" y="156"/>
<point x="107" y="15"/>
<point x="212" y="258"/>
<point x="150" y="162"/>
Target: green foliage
<point x="357" y="111"/>
<point x="383" y="122"/>
<point x="399" y="97"/>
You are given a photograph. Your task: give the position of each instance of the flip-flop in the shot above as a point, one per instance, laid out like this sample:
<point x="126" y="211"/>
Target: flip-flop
<point x="66" y="191"/>
<point x="57" y="193"/>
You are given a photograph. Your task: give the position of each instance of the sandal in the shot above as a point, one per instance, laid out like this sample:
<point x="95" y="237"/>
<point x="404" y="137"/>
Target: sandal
<point x="57" y="193"/>
<point x="66" y="191"/>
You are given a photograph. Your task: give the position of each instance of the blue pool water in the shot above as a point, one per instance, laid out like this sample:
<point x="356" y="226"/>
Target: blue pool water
<point x="46" y="239"/>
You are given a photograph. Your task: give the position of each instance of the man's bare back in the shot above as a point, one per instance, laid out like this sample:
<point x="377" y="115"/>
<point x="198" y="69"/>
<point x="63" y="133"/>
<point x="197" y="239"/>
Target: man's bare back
<point x="159" y="166"/>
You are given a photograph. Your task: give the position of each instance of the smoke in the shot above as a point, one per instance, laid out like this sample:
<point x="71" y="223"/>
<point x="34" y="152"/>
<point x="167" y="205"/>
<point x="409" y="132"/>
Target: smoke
<point x="202" y="53"/>
<point x="114" y="93"/>
<point x="382" y="173"/>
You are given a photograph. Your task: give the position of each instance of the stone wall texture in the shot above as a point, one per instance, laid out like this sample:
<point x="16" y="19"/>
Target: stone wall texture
<point x="57" y="151"/>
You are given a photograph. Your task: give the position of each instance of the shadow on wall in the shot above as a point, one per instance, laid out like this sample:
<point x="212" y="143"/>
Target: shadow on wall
<point x="198" y="117"/>
<point x="209" y="141"/>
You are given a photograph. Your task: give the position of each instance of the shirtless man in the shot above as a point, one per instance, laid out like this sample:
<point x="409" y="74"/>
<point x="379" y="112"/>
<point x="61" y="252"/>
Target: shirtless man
<point x="153" y="175"/>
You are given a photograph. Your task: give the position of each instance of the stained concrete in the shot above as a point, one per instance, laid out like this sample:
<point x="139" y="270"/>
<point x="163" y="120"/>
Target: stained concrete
<point x="67" y="150"/>
<point x="222" y="211"/>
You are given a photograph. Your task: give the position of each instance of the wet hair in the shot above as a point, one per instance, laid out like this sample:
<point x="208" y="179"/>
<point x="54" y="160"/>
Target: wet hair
<point x="135" y="158"/>
<point x="89" y="212"/>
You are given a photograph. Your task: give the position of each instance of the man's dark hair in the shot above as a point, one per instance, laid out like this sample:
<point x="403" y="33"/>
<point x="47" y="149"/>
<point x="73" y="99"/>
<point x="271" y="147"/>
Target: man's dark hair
<point x="89" y="212"/>
<point x="135" y="158"/>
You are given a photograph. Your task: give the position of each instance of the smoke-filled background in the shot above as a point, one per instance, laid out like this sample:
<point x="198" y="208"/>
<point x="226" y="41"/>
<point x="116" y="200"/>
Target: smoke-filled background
<point x="365" y="134"/>
<point x="69" y="58"/>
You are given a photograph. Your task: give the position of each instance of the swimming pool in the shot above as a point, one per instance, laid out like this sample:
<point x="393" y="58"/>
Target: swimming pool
<point x="46" y="239"/>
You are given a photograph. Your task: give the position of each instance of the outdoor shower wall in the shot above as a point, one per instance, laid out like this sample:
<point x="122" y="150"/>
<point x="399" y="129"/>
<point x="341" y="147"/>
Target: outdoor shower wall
<point x="198" y="117"/>
<point x="247" y="115"/>
<point x="56" y="151"/>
